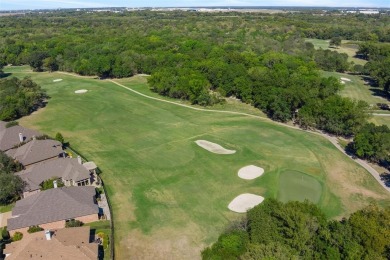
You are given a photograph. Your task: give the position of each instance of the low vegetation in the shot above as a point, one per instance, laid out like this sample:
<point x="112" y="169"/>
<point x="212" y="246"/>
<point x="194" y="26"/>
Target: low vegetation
<point x="300" y="230"/>
<point x="34" y="229"/>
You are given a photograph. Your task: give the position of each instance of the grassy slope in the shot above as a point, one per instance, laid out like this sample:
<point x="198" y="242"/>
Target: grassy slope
<point x="346" y="47"/>
<point x="170" y="196"/>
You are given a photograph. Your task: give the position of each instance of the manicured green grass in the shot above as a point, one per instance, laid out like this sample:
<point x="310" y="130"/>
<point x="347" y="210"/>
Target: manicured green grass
<point x="294" y="185"/>
<point x="347" y="47"/>
<point x="169" y="196"/>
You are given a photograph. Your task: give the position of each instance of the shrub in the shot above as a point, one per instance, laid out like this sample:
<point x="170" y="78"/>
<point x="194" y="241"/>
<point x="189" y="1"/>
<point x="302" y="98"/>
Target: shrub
<point x="34" y="229"/>
<point x="11" y="124"/>
<point x="5" y="234"/>
<point x="17" y="236"/>
<point x="73" y="223"/>
<point x="59" y="138"/>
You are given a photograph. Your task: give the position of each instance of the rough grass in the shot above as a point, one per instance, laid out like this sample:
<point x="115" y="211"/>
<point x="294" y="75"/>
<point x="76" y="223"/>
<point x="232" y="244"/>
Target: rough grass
<point x="170" y="196"/>
<point x="347" y="47"/>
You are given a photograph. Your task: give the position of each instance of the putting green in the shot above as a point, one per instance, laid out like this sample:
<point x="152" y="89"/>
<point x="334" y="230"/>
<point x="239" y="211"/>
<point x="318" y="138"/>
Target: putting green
<point x="294" y="185"/>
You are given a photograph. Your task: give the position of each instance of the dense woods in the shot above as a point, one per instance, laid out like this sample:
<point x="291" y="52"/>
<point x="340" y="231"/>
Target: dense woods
<point x="299" y="230"/>
<point x="262" y="59"/>
<point x="19" y="98"/>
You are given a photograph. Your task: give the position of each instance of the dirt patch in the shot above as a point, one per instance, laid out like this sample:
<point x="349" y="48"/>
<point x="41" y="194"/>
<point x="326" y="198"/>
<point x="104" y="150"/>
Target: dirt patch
<point x="213" y="147"/>
<point x="242" y="203"/>
<point x="250" y="172"/>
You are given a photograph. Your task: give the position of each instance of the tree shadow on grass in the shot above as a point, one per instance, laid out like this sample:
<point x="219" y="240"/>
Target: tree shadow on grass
<point x="5" y="75"/>
<point x="385" y="177"/>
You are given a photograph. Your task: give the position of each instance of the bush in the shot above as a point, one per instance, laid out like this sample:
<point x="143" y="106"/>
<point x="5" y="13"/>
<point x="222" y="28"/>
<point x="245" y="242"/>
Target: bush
<point x="5" y="234"/>
<point x="17" y="236"/>
<point x="11" y="124"/>
<point x="34" y="229"/>
<point x="73" y="223"/>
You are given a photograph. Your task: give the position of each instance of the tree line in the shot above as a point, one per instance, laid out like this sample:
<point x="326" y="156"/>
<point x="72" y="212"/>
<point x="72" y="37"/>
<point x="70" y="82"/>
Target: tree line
<point x="19" y="97"/>
<point x="300" y="230"/>
<point x="11" y="186"/>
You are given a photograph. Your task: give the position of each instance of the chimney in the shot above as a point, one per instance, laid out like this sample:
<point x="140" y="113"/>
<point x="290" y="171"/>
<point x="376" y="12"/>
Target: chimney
<point x="55" y="184"/>
<point x="34" y="138"/>
<point x="21" y="138"/>
<point x="48" y="234"/>
<point x="79" y="159"/>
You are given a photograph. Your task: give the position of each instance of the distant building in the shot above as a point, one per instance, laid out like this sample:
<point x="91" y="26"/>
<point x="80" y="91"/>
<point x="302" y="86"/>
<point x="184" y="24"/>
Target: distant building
<point x="63" y="244"/>
<point x="36" y="151"/>
<point x="369" y="11"/>
<point x="14" y="135"/>
<point x="70" y="171"/>
<point x="51" y="209"/>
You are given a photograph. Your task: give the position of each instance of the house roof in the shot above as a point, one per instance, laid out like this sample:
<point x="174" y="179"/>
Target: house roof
<point x="53" y="205"/>
<point x="36" y="151"/>
<point x="65" y="168"/>
<point x="90" y="165"/>
<point x="66" y="244"/>
<point x="9" y="137"/>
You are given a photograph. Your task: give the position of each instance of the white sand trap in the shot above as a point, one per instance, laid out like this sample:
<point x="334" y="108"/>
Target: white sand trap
<point x="57" y="80"/>
<point x="214" y="148"/>
<point x="244" y="202"/>
<point x="250" y="172"/>
<point x="342" y="82"/>
<point x="345" y="79"/>
<point x="80" y="91"/>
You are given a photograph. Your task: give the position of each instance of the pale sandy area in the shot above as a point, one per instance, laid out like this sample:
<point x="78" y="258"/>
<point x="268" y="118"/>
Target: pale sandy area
<point x="80" y="91"/>
<point x="250" y="172"/>
<point x="213" y="147"/>
<point x="345" y="79"/>
<point x="57" y="80"/>
<point x="242" y="203"/>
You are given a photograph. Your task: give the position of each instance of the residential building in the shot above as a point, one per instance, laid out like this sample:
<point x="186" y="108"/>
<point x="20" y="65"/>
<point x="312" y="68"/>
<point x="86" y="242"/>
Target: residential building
<point x="36" y="151"/>
<point x="63" y="244"/>
<point x="15" y="135"/>
<point x="70" y="171"/>
<point x="51" y="209"/>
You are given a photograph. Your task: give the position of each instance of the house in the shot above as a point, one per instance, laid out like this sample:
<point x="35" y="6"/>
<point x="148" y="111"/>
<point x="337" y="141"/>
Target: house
<point x="63" y="244"/>
<point x="36" y="151"/>
<point x="14" y="135"/>
<point x="51" y="209"/>
<point x="71" y="171"/>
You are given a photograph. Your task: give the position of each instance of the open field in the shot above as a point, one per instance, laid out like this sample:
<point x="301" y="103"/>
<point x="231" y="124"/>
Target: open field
<point x="346" y="47"/>
<point x="169" y="195"/>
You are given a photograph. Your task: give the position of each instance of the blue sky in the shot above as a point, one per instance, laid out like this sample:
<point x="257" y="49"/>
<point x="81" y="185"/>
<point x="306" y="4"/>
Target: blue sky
<point x="39" y="4"/>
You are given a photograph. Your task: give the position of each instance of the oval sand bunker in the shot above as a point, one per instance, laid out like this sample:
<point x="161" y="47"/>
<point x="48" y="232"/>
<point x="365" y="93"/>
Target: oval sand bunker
<point x="80" y="91"/>
<point x="213" y="147"/>
<point x="57" y="80"/>
<point x="250" y="172"/>
<point x="242" y="203"/>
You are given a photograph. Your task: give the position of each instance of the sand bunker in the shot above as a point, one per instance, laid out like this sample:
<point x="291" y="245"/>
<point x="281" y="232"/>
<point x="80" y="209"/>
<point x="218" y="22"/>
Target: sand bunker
<point x="250" y="172"/>
<point x="57" y="80"/>
<point x="342" y="82"/>
<point x="244" y="202"/>
<point x="345" y="79"/>
<point x="214" y="148"/>
<point x="80" y="91"/>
